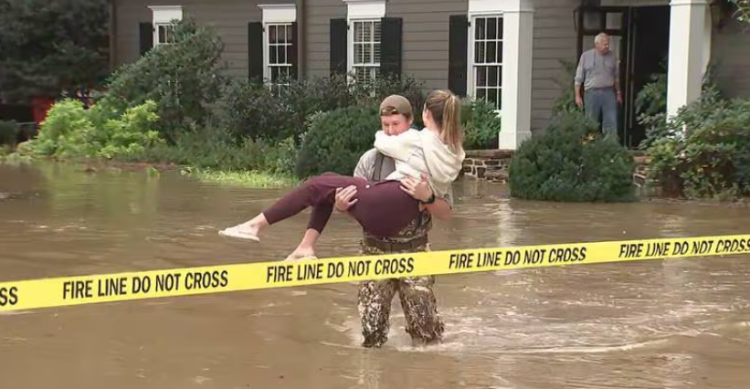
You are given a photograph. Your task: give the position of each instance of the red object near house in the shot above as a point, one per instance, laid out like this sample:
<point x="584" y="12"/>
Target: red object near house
<point x="40" y="106"/>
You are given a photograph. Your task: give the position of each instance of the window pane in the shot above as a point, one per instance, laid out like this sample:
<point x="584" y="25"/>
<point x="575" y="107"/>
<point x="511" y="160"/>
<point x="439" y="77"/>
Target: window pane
<point x="376" y="49"/>
<point x="282" y="34"/>
<point x="479" y="29"/>
<point x="481" y="76"/>
<point x="366" y="32"/>
<point x="499" y="52"/>
<point x="367" y="53"/>
<point x="492" y="28"/>
<point x="481" y="93"/>
<point x="500" y="28"/>
<point x="272" y="55"/>
<point x="282" y="53"/>
<point x="491" y="52"/>
<point x="492" y="76"/>
<point x="479" y="54"/>
<point x="377" y="31"/>
<point x="492" y="96"/>
<point x="272" y="34"/>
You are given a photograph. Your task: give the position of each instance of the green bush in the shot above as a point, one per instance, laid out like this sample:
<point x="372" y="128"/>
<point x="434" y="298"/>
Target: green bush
<point x="51" y="46"/>
<point x="9" y="131"/>
<point x="250" y="109"/>
<point x="481" y="124"/>
<point x="572" y="162"/>
<point x="182" y="77"/>
<point x="336" y="140"/>
<point x="712" y="159"/>
<point x="70" y="130"/>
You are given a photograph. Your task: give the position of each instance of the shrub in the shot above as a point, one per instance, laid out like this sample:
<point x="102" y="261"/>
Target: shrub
<point x="481" y="124"/>
<point x="572" y="162"/>
<point x="250" y="109"/>
<point x="712" y="160"/>
<point x="181" y="77"/>
<point x="72" y="131"/>
<point x="51" y="46"/>
<point x="336" y="140"/>
<point x="9" y="131"/>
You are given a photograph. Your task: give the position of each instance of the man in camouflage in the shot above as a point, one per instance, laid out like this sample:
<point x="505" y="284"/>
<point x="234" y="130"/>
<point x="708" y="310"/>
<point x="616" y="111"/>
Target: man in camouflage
<point x="423" y="322"/>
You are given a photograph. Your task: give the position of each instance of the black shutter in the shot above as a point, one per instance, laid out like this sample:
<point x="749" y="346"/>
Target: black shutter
<point x="293" y="54"/>
<point x="391" y="47"/>
<point x="338" y="34"/>
<point x="255" y="51"/>
<point x="457" y="54"/>
<point x="146" y="32"/>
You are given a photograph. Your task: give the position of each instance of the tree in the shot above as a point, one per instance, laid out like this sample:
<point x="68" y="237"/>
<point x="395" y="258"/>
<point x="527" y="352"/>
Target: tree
<point x="51" y="46"/>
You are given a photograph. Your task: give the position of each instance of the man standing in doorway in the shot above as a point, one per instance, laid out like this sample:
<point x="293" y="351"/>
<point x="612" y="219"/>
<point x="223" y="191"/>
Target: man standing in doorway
<point x="423" y="322"/>
<point x="598" y="74"/>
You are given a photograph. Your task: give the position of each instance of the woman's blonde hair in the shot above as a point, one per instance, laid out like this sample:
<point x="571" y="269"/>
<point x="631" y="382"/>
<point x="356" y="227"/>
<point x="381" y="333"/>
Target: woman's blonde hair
<point x="445" y="108"/>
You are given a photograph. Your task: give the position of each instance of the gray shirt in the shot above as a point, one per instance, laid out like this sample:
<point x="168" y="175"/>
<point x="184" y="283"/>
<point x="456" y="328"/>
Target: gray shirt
<point x="596" y="70"/>
<point x="366" y="169"/>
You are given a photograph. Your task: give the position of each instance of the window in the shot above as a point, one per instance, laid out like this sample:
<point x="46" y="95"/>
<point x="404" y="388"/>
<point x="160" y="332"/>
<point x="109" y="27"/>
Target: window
<point x="366" y="45"/>
<point x="278" y="37"/>
<point x="486" y="59"/>
<point x="278" y="44"/>
<point x="162" y="20"/>
<point x="364" y="38"/>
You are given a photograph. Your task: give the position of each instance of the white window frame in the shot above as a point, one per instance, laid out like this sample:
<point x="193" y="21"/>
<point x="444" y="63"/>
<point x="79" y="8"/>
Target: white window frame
<point x="281" y="15"/>
<point x="162" y="16"/>
<point x="362" y="11"/>
<point x="483" y="9"/>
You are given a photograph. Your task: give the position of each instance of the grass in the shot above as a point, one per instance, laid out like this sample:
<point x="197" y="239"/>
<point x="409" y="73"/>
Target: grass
<point x="252" y="179"/>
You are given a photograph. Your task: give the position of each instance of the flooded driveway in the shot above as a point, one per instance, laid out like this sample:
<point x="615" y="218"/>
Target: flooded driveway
<point x="655" y="324"/>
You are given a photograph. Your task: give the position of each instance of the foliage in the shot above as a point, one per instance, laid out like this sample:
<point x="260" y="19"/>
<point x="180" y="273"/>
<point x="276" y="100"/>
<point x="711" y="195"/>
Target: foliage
<point x="566" y="102"/>
<point x="51" y="46"/>
<point x="181" y="77"/>
<point x="712" y="158"/>
<point x="571" y="161"/>
<point x="72" y="131"/>
<point x="741" y="10"/>
<point x="251" y="109"/>
<point x="337" y="139"/>
<point x="651" y="104"/>
<point x="9" y="131"/>
<point x="481" y="124"/>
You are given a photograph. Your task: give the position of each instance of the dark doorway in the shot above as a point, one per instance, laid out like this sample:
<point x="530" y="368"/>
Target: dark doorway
<point x="641" y="37"/>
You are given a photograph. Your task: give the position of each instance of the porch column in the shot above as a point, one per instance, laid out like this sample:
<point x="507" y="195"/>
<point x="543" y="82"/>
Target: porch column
<point x="687" y="32"/>
<point x="518" y="33"/>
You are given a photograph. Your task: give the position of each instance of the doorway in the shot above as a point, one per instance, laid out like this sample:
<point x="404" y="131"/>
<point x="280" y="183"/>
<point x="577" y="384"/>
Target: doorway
<point x="639" y="37"/>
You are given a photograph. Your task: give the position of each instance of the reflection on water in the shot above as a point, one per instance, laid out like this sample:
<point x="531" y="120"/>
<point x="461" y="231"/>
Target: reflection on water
<point x="656" y="324"/>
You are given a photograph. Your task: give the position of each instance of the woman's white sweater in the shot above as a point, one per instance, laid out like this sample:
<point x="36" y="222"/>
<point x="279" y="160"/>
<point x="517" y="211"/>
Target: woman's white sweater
<point x="416" y="152"/>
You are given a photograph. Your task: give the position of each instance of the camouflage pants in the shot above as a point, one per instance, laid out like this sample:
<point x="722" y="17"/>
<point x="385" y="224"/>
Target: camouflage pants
<point x="423" y="322"/>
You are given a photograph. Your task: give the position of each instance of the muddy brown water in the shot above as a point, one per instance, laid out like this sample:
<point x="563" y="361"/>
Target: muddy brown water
<point x="656" y="324"/>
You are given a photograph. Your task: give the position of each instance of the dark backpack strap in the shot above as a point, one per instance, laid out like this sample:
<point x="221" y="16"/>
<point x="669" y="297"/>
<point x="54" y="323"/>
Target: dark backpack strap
<point x="378" y="167"/>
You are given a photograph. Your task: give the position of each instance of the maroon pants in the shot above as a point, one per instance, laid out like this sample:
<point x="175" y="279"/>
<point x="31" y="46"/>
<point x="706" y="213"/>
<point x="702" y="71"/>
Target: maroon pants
<point x="382" y="209"/>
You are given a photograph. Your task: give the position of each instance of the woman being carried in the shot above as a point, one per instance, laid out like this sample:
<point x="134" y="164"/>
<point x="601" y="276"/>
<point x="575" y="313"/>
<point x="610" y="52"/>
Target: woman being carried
<point x="382" y="208"/>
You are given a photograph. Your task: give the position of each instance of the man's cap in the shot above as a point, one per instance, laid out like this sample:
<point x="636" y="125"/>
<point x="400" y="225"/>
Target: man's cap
<point x="396" y="104"/>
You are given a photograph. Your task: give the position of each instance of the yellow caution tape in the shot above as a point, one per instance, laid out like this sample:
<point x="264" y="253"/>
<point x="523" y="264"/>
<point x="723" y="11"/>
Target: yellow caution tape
<point x="66" y="291"/>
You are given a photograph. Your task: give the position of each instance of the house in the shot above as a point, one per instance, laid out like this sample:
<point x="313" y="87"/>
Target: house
<point x="509" y="51"/>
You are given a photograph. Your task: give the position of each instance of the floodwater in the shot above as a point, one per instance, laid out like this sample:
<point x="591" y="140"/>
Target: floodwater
<point x="655" y="324"/>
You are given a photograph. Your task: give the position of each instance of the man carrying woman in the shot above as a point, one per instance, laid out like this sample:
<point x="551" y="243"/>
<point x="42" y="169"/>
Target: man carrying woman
<point x="390" y="208"/>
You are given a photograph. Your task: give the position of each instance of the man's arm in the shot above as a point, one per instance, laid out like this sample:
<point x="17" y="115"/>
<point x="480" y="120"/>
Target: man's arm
<point x="578" y="79"/>
<point x="442" y="208"/>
